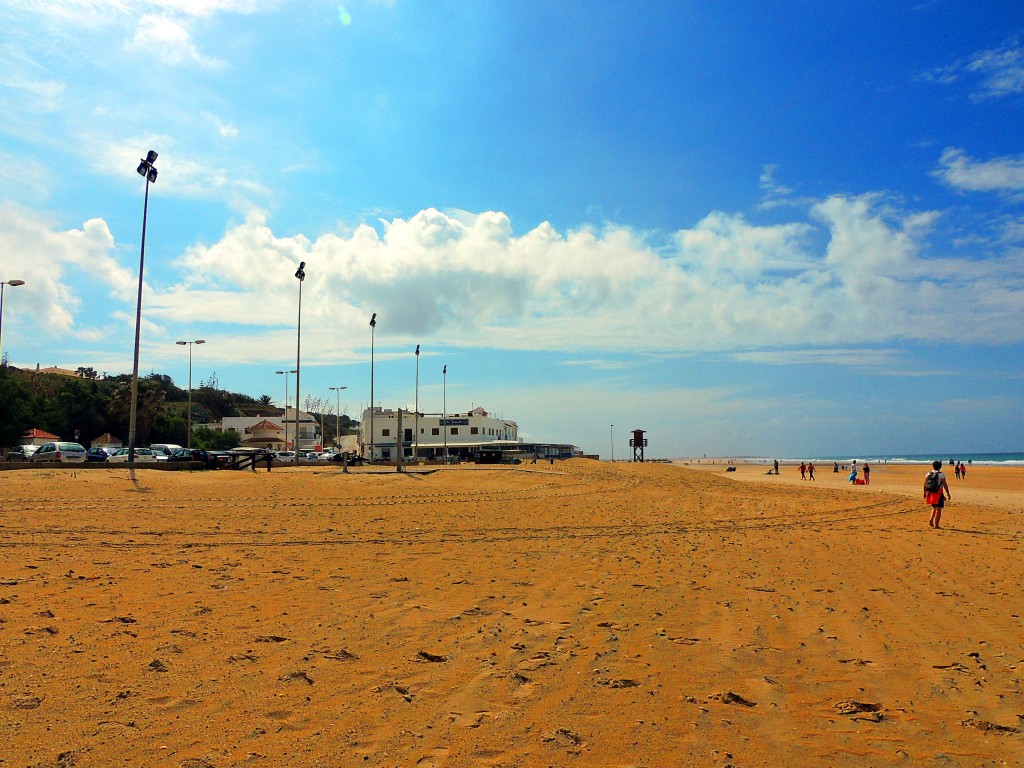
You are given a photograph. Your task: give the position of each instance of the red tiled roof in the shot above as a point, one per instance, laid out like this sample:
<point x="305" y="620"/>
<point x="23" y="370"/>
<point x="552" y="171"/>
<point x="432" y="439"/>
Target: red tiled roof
<point x="34" y="433"/>
<point x="264" y="426"/>
<point x="106" y="439"/>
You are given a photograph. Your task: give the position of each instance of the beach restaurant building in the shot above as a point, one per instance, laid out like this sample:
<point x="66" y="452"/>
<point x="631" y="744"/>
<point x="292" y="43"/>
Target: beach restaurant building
<point x="432" y="436"/>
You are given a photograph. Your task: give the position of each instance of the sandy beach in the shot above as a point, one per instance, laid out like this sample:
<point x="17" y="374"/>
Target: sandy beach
<point x="580" y="614"/>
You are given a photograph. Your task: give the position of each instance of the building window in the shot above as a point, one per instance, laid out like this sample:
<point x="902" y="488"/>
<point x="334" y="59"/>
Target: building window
<point x="435" y="431"/>
<point x="455" y="430"/>
<point x="474" y="430"/>
<point x="385" y="432"/>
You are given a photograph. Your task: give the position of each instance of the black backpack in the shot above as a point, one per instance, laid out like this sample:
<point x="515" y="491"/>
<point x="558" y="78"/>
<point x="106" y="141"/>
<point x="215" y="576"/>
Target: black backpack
<point x="931" y="482"/>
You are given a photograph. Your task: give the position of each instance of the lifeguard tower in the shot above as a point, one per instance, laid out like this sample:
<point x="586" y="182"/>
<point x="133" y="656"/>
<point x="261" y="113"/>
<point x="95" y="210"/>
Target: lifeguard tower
<point x="638" y="442"/>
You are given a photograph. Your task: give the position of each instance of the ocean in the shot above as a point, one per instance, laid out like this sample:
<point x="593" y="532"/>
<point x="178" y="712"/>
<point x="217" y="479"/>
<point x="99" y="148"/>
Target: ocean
<point x="1011" y="459"/>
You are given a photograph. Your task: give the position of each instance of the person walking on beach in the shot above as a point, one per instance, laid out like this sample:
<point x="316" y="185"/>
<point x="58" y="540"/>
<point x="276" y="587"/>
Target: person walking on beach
<point x="810" y="470"/>
<point x="963" y="471"/>
<point x="803" y="471"/>
<point x="956" y="471"/>
<point x="867" y="474"/>
<point x="776" y="466"/>
<point x="936" y="492"/>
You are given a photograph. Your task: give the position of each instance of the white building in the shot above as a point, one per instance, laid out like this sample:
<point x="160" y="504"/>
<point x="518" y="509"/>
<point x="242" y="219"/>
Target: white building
<point x="432" y="436"/>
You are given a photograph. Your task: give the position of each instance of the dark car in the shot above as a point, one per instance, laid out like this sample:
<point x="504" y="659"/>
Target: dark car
<point x="97" y="454"/>
<point x="350" y="459"/>
<point x="192" y="454"/>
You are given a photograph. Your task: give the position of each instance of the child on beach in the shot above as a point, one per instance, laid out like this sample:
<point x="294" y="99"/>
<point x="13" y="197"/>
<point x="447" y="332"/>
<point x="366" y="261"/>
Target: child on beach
<point x="936" y="492"/>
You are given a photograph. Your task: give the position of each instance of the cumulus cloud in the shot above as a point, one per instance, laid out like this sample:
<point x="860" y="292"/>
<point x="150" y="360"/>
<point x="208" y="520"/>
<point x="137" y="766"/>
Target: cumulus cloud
<point x="725" y="284"/>
<point x="44" y="257"/>
<point x="469" y="281"/>
<point x="1000" y="174"/>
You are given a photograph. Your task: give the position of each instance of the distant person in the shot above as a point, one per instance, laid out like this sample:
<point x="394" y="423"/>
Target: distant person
<point x="867" y="474"/>
<point x="776" y="466"/>
<point x="810" y="470"/>
<point x="853" y="475"/>
<point x="956" y="471"/>
<point x="963" y="471"/>
<point x="835" y="467"/>
<point x="803" y="471"/>
<point x="936" y="492"/>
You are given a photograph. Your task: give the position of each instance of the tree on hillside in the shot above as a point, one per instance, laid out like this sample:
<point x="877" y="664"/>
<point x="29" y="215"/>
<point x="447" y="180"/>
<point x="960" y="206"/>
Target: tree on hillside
<point x="150" y="398"/>
<point x="15" y="413"/>
<point x="266" y="401"/>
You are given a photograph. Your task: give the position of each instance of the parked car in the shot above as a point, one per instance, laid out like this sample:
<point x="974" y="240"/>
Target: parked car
<point x="192" y="454"/>
<point x="349" y="458"/>
<point x="164" y="451"/>
<point x="21" y="453"/>
<point x="285" y="456"/>
<point x="220" y="458"/>
<point x="142" y="456"/>
<point x="98" y="454"/>
<point x="65" y="453"/>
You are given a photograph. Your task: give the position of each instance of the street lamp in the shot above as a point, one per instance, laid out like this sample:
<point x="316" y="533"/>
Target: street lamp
<point x="337" y="416"/>
<point x="416" y="418"/>
<point x="13" y="284"/>
<point x="189" y="344"/>
<point x="373" y="327"/>
<point x="300" y="274"/>
<point x="285" y="415"/>
<point x="612" y="438"/>
<point x="444" y="410"/>
<point x="147" y="170"/>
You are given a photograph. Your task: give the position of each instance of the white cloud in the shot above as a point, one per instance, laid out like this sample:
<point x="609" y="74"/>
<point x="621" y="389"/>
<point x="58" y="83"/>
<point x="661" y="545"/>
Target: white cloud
<point x="469" y="281"/>
<point x="183" y="173"/>
<point x="44" y="257"/>
<point x="1001" y="174"/>
<point x="169" y="41"/>
<point x="992" y="73"/>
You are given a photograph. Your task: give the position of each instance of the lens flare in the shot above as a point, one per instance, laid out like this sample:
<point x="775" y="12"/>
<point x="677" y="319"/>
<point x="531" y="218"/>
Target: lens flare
<point x="343" y="16"/>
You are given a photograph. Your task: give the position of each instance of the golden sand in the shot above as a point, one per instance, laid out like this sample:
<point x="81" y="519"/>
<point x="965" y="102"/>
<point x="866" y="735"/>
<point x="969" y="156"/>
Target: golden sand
<point x="578" y="614"/>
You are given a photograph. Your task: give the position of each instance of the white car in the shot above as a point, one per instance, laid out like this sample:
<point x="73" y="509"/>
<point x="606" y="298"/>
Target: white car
<point x="285" y="456"/>
<point x="164" y="451"/>
<point x="142" y="455"/>
<point x="65" y="453"/>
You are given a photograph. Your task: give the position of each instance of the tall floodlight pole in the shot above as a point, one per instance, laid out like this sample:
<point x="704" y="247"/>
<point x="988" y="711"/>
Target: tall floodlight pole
<point x="373" y="327"/>
<point x="13" y="284"/>
<point x="190" y="343"/>
<point x="284" y="418"/>
<point x="444" y="410"/>
<point x="147" y="170"/>
<point x="416" y="418"/>
<point x="300" y="273"/>
<point x="337" y="416"/>
<point x="612" y="438"/>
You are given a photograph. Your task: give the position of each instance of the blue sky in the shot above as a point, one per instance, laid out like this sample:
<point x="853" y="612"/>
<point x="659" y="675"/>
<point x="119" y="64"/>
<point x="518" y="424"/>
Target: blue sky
<point x="789" y="228"/>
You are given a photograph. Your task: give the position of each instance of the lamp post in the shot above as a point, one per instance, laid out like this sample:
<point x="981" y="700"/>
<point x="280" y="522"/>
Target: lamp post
<point x="13" y="284"/>
<point x="147" y="170"/>
<point x="285" y="416"/>
<point x="373" y="328"/>
<point x="612" y="438"/>
<point x="444" y="410"/>
<point x="337" y="416"/>
<point x="189" y="344"/>
<point x="416" y="418"/>
<point x="300" y="274"/>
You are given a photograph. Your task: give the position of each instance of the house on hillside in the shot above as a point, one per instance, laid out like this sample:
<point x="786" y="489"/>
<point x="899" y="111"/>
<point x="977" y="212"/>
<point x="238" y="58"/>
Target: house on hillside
<point x="309" y="430"/>
<point x="265" y="434"/>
